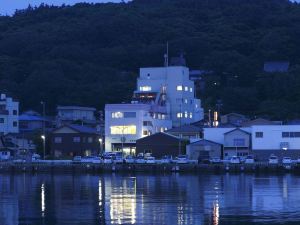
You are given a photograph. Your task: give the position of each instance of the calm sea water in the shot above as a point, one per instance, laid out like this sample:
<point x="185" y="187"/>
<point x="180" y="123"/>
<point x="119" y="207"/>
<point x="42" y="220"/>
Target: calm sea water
<point x="145" y="199"/>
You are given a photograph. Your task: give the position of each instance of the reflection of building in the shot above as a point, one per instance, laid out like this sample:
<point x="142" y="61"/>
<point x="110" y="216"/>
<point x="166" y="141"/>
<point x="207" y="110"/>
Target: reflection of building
<point x="164" y="98"/>
<point x="9" y="113"/>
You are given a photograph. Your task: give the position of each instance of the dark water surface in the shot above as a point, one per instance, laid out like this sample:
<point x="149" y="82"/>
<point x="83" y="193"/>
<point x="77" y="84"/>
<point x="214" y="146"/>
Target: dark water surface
<point x="145" y="199"/>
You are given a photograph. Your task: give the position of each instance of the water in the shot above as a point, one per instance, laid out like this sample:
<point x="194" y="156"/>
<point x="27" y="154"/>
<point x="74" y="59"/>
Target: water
<point x="145" y="199"/>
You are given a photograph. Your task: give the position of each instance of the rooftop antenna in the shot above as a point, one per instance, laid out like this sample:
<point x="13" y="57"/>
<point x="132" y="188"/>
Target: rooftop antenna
<point x="167" y="56"/>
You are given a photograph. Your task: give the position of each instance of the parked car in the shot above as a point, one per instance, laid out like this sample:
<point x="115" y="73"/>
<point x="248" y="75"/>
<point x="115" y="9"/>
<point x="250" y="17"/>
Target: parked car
<point x="96" y="160"/>
<point x="140" y="159"/>
<point x="87" y="159"/>
<point x="166" y="159"/>
<point x="249" y="159"/>
<point x="129" y="159"/>
<point x="235" y="160"/>
<point x="182" y="159"/>
<point x="19" y="160"/>
<point x="150" y="160"/>
<point x="35" y="157"/>
<point x="107" y="159"/>
<point x="77" y="159"/>
<point x="273" y="159"/>
<point x="286" y="160"/>
<point x="215" y="160"/>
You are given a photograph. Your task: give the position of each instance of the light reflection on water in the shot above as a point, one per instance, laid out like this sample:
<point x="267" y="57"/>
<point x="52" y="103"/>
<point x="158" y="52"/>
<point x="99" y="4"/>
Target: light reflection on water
<point x="170" y="199"/>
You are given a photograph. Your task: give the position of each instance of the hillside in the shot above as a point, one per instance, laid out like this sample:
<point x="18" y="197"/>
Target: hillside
<point x="90" y="54"/>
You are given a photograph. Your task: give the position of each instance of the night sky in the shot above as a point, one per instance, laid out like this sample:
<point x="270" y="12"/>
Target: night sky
<point x="8" y="7"/>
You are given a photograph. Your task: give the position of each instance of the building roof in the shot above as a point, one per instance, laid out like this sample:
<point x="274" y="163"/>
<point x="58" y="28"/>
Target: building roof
<point x="25" y="117"/>
<point x="78" y="128"/>
<point x="159" y="134"/>
<point x="185" y="129"/>
<point x="75" y="108"/>
<point x="276" y="66"/>
<point x="260" y="121"/>
<point x="204" y="140"/>
<point x="236" y="130"/>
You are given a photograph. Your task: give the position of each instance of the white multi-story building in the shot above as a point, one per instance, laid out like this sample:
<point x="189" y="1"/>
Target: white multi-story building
<point x="164" y="99"/>
<point x="9" y="115"/>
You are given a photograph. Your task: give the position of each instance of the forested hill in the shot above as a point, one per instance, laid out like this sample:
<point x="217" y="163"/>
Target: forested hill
<point x="90" y="54"/>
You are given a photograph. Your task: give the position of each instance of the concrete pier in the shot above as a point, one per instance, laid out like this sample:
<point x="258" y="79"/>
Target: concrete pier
<point x="146" y="168"/>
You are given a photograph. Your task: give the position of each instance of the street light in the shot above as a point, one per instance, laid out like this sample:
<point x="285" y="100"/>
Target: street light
<point x="100" y="141"/>
<point x="44" y="145"/>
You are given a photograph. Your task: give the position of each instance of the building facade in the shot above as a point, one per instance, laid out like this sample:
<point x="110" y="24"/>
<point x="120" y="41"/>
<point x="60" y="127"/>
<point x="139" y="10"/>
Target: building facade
<point x="204" y="150"/>
<point x="164" y="98"/>
<point x="74" y="140"/>
<point x="9" y="114"/>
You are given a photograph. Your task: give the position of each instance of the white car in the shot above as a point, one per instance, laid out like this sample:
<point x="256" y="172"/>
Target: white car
<point x="96" y="160"/>
<point x="166" y="159"/>
<point x="107" y="159"/>
<point x="249" y="159"/>
<point x="140" y="160"/>
<point x="77" y="159"/>
<point x="35" y="157"/>
<point x="150" y="160"/>
<point x="273" y="159"/>
<point x="286" y="160"/>
<point x="129" y="159"/>
<point x="118" y="159"/>
<point x="182" y="159"/>
<point x="215" y="160"/>
<point x="235" y="160"/>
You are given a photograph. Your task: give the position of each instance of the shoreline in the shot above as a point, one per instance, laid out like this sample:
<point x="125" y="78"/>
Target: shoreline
<point x="149" y="168"/>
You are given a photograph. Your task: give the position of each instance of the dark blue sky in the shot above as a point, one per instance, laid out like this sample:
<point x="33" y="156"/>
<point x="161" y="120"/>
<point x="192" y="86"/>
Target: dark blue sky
<point x="9" y="6"/>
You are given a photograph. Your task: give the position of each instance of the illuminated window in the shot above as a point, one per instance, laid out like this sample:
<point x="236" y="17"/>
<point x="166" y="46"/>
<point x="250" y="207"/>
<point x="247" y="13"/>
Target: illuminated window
<point x="145" y="88"/>
<point x="179" y="115"/>
<point x="185" y="101"/>
<point x="191" y="115"/>
<point x="161" y="129"/>
<point x="186" y="88"/>
<point x="130" y="129"/>
<point x="117" y="115"/>
<point x="191" y="89"/>
<point x="186" y="114"/>
<point x="179" y="88"/>
<point x="163" y="116"/>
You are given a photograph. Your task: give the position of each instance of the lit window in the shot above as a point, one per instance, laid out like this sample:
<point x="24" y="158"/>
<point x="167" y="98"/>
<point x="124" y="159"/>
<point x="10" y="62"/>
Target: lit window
<point x="90" y="140"/>
<point x="161" y="129"/>
<point x="191" y="115"/>
<point x="186" y="114"/>
<point x="191" y="89"/>
<point x="186" y="88"/>
<point x="185" y="101"/>
<point x="117" y="115"/>
<point x="179" y="115"/>
<point x="145" y="88"/>
<point x="179" y="88"/>
<point x="163" y="116"/>
<point x="130" y="129"/>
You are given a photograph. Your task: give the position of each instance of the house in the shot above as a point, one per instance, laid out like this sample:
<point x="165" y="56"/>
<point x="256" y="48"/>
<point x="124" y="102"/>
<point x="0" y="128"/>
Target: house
<point x="20" y="144"/>
<point x="71" y="114"/>
<point x="30" y="121"/>
<point x="5" y="153"/>
<point x="237" y="142"/>
<point x="204" y="149"/>
<point x="234" y="119"/>
<point x="186" y="132"/>
<point x="9" y="113"/>
<point x="276" y="66"/>
<point x="74" y="140"/>
<point x="281" y="140"/>
<point x="160" y="144"/>
<point x="164" y="98"/>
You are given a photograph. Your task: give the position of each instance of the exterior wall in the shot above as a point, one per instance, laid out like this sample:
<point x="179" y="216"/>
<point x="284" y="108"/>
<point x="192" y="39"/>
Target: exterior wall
<point x="160" y="145"/>
<point x="181" y="101"/>
<point x="9" y="113"/>
<point x="272" y="141"/>
<point x="216" y="134"/>
<point x="203" y="150"/>
<point x="69" y="148"/>
<point x="229" y="138"/>
<point x="142" y="114"/>
<point x="76" y="113"/>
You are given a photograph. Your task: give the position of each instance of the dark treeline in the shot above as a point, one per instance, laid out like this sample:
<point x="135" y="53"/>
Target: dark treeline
<point x="90" y="54"/>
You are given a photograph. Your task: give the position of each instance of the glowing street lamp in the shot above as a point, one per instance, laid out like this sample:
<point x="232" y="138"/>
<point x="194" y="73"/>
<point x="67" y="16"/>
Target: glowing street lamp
<point x="44" y="145"/>
<point x="101" y="142"/>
